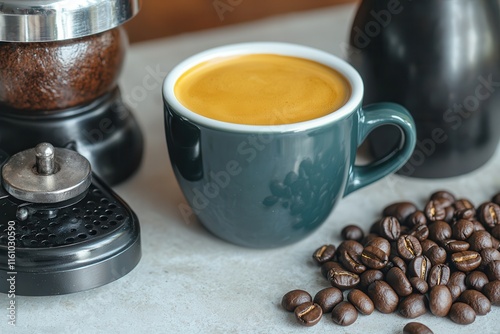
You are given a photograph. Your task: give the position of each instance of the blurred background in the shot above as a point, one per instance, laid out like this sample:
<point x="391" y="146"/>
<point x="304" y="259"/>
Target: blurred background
<point x="160" y="18"/>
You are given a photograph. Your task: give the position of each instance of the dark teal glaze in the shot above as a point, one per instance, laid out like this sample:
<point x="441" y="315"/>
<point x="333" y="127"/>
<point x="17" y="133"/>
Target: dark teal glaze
<point x="273" y="189"/>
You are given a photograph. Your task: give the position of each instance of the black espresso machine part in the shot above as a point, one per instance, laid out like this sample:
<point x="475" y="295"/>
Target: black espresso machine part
<point x="62" y="229"/>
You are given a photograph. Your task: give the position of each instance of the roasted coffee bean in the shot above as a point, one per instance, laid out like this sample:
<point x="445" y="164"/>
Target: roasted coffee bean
<point x="394" y="250"/>
<point x="441" y="202"/>
<point x="467" y="214"/>
<point x="493" y="270"/>
<point x="478" y="226"/>
<point x="419" y="285"/>
<point x="488" y="255"/>
<point x="416" y="328"/>
<point x="456" y="284"/>
<point x="328" y="298"/>
<point x="369" y="237"/>
<point x="496" y="199"/>
<point x="389" y="228"/>
<point x="439" y="231"/>
<point x="453" y="246"/>
<point x="421" y="232"/>
<point x="462" y="314"/>
<point x="476" y="280"/>
<point x="439" y="275"/>
<point x="350" y="246"/>
<point x="427" y="244"/>
<point x="492" y="292"/>
<point x="404" y="229"/>
<point x="436" y="254"/>
<point x="458" y="278"/>
<point x="489" y="214"/>
<point x="450" y="214"/>
<point x="388" y="267"/>
<point x="383" y="296"/>
<point x="463" y="203"/>
<point x="352" y="262"/>
<point x="325" y="267"/>
<point x="480" y="240"/>
<point x="495" y="232"/>
<point x="400" y="263"/>
<point x="380" y="243"/>
<point x="374" y="257"/>
<point x="455" y="292"/>
<point x="419" y="267"/>
<point x="295" y="298"/>
<point x="370" y="276"/>
<point x="408" y="247"/>
<point x="352" y="232"/>
<point x="344" y="314"/>
<point x="399" y="282"/>
<point x="361" y="301"/>
<point x="400" y="210"/>
<point x="349" y="255"/>
<point x="462" y="229"/>
<point x="445" y="197"/>
<point x="324" y="254"/>
<point x="475" y="299"/>
<point x="495" y="243"/>
<point x="466" y="261"/>
<point x="440" y="300"/>
<point x="413" y="306"/>
<point x="342" y="279"/>
<point x="308" y="314"/>
<point x="374" y="228"/>
<point x="416" y="218"/>
<point x="435" y="210"/>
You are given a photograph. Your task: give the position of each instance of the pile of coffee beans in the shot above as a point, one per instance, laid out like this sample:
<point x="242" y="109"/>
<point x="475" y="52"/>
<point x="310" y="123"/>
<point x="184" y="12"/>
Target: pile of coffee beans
<point x="443" y="259"/>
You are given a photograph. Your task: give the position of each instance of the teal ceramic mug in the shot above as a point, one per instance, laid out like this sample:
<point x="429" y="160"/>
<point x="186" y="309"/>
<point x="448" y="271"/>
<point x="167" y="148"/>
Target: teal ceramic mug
<point x="267" y="186"/>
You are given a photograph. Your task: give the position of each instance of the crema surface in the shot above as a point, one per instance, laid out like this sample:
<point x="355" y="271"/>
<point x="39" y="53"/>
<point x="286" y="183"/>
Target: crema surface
<point x="262" y="89"/>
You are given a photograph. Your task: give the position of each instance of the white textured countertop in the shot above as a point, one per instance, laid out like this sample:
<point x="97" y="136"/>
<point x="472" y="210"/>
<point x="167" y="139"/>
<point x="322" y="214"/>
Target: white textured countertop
<point x="191" y="282"/>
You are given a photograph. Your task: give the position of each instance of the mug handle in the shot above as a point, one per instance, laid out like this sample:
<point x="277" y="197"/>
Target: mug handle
<point x="371" y="117"/>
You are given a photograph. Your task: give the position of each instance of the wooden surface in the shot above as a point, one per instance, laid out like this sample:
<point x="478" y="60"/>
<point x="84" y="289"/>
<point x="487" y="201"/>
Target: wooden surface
<point x="159" y="18"/>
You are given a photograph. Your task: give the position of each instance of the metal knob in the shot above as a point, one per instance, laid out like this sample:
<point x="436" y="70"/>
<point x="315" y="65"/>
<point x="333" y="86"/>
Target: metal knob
<point x="46" y="174"/>
<point x="45" y="159"/>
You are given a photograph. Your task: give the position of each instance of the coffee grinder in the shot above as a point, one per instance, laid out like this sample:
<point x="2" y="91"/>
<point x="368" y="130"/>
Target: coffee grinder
<point x="59" y="65"/>
<point x="65" y="134"/>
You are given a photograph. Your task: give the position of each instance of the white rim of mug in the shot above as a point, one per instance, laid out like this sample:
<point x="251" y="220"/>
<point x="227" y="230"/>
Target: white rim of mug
<point x="286" y="49"/>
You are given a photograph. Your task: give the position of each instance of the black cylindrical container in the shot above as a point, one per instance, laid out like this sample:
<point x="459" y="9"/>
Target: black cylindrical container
<point x="441" y="60"/>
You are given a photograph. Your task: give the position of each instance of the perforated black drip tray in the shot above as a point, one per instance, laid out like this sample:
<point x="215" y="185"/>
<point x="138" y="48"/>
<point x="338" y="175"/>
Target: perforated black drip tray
<point x="69" y="249"/>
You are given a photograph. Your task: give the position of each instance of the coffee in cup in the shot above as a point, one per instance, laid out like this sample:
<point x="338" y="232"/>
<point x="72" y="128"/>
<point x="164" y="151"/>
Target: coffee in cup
<point x="262" y="89"/>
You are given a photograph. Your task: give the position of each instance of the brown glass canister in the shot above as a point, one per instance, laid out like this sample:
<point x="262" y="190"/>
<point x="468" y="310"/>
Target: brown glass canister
<point x="59" y="66"/>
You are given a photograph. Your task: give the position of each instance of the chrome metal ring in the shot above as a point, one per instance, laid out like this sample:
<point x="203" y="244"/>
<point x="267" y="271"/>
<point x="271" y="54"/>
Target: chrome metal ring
<point x="57" y="20"/>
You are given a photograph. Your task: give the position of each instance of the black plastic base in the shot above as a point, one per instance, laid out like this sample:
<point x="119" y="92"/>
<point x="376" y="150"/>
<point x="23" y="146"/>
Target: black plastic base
<point x="69" y="249"/>
<point x="105" y="132"/>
